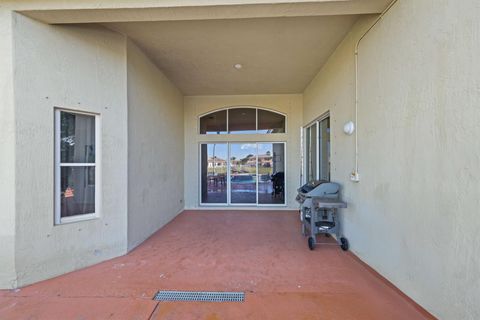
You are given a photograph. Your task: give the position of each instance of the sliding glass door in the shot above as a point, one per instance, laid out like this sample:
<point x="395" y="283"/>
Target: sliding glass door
<point x="213" y="158"/>
<point x="317" y="150"/>
<point x="312" y="154"/>
<point x="243" y="173"/>
<point x="271" y="173"/>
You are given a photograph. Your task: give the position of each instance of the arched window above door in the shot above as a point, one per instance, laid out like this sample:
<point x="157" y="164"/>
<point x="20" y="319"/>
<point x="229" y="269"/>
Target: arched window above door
<point x="242" y="120"/>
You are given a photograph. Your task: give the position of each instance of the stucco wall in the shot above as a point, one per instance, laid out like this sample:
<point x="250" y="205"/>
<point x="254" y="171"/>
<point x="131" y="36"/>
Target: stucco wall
<point x="155" y="157"/>
<point x="7" y="154"/>
<point x="414" y="215"/>
<point x="84" y="68"/>
<point x="288" y="104"/>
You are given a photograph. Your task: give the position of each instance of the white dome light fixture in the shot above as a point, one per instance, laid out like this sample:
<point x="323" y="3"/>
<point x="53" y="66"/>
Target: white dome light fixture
<point x="349" y="128"/>
<point x="238" y="66"/>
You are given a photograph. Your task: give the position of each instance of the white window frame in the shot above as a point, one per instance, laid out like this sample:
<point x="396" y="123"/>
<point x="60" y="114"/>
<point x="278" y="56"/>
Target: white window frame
<point x="58" y="165"/>
<point x="199" y="117"/>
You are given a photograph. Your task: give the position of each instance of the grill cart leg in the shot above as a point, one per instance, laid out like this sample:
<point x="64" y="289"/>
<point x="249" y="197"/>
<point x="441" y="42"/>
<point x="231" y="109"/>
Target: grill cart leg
<point x="342" y="241"/>
<point x="302" y="220"/>
<point x="312" y="241"/>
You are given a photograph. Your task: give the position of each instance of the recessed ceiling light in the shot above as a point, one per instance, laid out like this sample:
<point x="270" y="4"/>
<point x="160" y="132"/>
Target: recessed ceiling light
<point x="237" y="66"/>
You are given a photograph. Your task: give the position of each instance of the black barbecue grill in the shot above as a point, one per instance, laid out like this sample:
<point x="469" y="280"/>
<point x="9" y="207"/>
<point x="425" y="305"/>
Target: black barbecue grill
<point x="319" y="202"/>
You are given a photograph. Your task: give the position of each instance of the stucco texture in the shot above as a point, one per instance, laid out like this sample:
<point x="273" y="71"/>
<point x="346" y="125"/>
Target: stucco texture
<point x="413" y="216"/>
<point x="7" y="154"/>
<point x="87" y="68"/>
<point x="81" y="68"/>
<point x="155" y="143"/>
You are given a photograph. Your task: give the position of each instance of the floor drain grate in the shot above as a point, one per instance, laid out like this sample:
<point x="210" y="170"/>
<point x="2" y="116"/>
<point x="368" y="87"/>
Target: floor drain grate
<point x="203" y="296"/>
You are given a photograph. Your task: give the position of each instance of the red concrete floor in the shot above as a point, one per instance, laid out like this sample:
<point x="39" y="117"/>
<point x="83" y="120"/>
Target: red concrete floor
<point x="259" y="252"/>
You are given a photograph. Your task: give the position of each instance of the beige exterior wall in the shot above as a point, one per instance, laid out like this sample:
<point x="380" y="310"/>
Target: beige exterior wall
<point x="83" y="68"/>
<point x="155" y="143"/>
<point x="289" y="104"/>
<point x="413" y="216"/>
<point x="7" y="154"/>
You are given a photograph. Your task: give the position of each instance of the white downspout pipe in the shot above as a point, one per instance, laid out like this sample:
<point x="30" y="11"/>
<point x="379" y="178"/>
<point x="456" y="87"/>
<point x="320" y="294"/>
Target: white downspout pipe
<point x="355" y="175"/>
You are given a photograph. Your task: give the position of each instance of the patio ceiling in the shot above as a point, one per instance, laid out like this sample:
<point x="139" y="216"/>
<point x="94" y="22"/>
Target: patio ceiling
<point x="281" y="45"/>
<point x="278" y="55"/>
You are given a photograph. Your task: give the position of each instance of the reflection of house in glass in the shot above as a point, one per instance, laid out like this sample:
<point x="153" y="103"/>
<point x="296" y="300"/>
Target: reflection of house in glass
<point x="264" y="160"/>
<point x="214" y="162"/>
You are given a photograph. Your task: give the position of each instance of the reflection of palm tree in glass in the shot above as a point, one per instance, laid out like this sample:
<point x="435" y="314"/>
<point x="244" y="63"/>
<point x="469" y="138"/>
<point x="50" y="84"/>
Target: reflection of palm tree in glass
<point x="214" y="160"/>
<point x="243" y="173"/>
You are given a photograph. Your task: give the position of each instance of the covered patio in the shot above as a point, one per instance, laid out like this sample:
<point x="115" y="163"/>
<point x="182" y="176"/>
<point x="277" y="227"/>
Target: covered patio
<point x="150" y="145"/>
<point x="261" y="253"/>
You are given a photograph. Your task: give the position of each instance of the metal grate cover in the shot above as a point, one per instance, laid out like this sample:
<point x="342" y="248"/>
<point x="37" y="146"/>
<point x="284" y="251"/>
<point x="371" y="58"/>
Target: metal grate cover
<point x="203" y="296"/>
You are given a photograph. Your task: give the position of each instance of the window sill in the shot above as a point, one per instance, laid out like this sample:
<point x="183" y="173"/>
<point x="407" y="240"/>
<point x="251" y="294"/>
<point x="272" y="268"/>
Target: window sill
<point x="79" y="218"/>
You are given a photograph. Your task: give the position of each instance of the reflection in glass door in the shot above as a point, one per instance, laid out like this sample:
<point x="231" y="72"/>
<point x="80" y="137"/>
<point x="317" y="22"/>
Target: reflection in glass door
<point x="243" y="173"/>
<point x="324" y="149"/>
<point x="271" y="173"/>
<point x="214" y="173"/>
